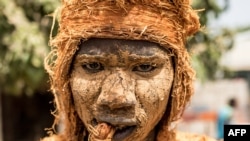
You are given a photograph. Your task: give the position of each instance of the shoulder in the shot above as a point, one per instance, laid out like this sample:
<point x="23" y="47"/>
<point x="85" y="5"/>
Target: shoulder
<point x="182" y="136"/>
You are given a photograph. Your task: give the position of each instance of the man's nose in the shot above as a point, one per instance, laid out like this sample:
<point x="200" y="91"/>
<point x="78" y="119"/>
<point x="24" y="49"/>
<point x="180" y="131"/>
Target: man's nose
<point x="117" y="92"/>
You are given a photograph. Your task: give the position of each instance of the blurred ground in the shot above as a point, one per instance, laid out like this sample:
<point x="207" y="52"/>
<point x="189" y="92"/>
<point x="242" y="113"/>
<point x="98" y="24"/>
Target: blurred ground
<point x="200" y="117"/>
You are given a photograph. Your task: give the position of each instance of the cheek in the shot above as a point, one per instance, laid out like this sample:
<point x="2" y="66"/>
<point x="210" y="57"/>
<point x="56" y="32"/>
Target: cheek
<point x="153" y="96"/>
<point x="84" y="93"/>
<point x="83" y="89"/>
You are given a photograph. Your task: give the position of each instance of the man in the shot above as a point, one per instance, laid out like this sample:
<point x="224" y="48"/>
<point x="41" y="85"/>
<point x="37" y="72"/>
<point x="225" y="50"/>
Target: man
<point x="225" y="116"/>
<point x="120" y="71"/>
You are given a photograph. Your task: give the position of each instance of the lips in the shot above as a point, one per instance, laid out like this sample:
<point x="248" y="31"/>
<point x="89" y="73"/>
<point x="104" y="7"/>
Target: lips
<point x="121" y="134"/>
<point x="123" y="126"/>
<point x="117" y="121"/>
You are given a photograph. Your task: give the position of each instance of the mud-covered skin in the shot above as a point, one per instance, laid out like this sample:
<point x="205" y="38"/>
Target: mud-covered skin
<point x="123" y="83"/>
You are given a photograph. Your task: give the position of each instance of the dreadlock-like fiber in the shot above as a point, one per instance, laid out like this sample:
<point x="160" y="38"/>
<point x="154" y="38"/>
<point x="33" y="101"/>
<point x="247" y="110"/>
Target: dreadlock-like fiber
<point x="166" y="22"/>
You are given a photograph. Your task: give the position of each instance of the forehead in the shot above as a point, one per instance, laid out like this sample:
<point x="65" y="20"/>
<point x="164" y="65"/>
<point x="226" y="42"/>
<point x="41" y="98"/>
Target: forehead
<point x="98" y="46"/>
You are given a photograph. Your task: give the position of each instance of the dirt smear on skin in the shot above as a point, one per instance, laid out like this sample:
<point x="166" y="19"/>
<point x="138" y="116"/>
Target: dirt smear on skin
<point x="167" y="23"/>
<point x="117" y="79"/>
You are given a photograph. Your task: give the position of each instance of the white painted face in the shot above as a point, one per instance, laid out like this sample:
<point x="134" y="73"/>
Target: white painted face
<point x="123" y="83"/>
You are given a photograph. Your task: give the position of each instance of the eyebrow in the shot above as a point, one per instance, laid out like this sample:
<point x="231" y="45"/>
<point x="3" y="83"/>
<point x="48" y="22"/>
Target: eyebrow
<point x="101" y="53"/>
<point x="98" y="51"/>
<point x="80" y="57"/>
<point x="131" y="58"/>
<point x="90" y="52"/>
<point x="134" y="57"/>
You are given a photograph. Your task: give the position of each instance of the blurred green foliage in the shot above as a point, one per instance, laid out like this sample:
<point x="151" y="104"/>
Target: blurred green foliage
<point x="24" y="34"/>
<point x="207" y="47"/>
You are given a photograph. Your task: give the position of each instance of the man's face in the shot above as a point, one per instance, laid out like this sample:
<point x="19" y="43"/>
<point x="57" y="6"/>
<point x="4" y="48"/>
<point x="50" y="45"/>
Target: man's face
<point x="123" y="83"/>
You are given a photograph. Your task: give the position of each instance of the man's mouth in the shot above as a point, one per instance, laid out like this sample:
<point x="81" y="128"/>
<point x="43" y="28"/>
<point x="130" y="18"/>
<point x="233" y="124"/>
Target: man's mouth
<point x="123" y="127"/>
<point x="122" y="133"/>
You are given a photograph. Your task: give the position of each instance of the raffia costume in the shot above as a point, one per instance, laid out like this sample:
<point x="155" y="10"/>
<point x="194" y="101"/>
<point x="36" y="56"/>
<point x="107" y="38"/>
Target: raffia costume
<point x="166" y="22"/>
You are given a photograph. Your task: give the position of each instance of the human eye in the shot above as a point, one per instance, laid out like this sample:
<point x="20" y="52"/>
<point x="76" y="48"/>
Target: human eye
<point x="93" y="67"/>
<point x="144" y="68"/>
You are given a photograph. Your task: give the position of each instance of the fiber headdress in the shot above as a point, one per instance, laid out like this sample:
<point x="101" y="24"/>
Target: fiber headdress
<point x="166" y="22"/>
